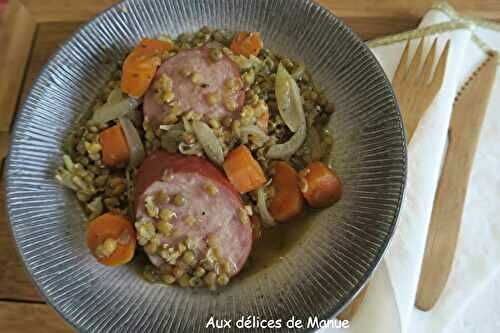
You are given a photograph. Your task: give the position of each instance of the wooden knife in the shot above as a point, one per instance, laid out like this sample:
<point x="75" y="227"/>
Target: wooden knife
<point x="463" y="135"/>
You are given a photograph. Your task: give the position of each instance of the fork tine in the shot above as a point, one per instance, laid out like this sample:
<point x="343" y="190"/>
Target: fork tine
<point x="403" y="63"/>
<point x="428" y="64"/>
<point x="437" y="80"/>
<point x="417" y="61"/>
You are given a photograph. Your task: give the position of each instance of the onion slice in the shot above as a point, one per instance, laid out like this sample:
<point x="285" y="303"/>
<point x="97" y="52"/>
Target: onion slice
<point x="112" y="111"/>
<point x="287" y="149"/>
<point x="115" y="96"/>
<point x="135" y="146"/>
<point x="289" y="100"/>
<point x="259" y="136"/>
<point x="190" y="149"/>
<point x="209" y="142"/>
<point x="266" y="217"/>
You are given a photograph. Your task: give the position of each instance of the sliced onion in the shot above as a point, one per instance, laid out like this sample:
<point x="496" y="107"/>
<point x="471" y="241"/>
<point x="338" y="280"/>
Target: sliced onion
<point x="266" y="217"/>
<point x="287" y="149"/>
<point x="170" y="141"/>
<point x="190" y="149"/>
<point x="172" y="137"/>
<point x="259" y="136"/>
<point x="135" y="146"/>
<point x="95" y="207"/>
<point x="109" y="112"/>
<point x="289" y="100"/>
<point x="115" y="96"/>
<point x="210" y="143"/>
<point x="187" y="124"/>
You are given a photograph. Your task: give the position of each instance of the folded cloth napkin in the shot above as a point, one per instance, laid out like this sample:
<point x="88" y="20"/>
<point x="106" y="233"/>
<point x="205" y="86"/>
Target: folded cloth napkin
<point x="477" y="264"/>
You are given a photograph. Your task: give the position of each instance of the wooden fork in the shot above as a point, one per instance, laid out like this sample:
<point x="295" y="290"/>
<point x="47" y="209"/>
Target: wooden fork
<point x="415" y="90"/>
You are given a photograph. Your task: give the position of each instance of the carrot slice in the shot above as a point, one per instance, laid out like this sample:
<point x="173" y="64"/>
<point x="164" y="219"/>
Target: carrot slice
<point x="320" y="185"/>
<point x="141" y="64"/>
<point x="247" y="43"/>
<point x="113" y="227"/>
<point x="287" y="201"/>
<point x="243" y="171"/>
<point x="114" y="146"/>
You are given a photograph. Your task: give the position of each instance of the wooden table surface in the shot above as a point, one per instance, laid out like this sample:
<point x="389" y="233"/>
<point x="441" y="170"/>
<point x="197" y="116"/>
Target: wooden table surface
<point x="22" y="309"/>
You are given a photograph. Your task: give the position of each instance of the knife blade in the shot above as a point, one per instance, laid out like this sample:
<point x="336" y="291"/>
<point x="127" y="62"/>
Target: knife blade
<point x="463" y="135"/>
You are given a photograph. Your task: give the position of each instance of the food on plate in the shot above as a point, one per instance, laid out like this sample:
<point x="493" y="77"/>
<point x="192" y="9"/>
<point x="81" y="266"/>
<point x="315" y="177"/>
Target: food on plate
<point x="320" y="185"/>
<point x="287" y="201"/>
<point x="195" y="152"/>
<point x="243" y="171"/>
<point x="111" y="239"/>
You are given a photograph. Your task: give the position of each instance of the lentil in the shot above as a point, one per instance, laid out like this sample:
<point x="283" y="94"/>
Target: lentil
<point x="195" y="282"/>
<point x="223" y="279"/>
<point x="165" y="228"/>
<point x="190" y="220"/>
<point x="243" y="216"/>
<point x="168" y="279"/>
<point x="178" y="272"/>
<point x="196" y="78"/>
<point x="151" y="209"/>
<point x="210" y="279"/>
<point x="199" y="272"/>
<point x="151" y="247"/>
<point x="211" y="189"/>
<point x="230" y="104"/>
<point x="150" y="274"/>
<point x="227" y="121"/>
<point x="179" y="200"/>
<point x="216" y="54"/>
<point x="184" y="281"/>
<point x="189" y="258"/>
<point x="213" y="98"/>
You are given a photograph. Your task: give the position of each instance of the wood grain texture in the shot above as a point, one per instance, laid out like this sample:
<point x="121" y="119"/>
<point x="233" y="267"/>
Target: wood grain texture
<point x="465" y="127"/>
<point x="17" y="29"/>
<point x="71" y="10"/>
<point x="47" y="40"/>
<point x="416" y="86"/>
<point x="30" y="317"/>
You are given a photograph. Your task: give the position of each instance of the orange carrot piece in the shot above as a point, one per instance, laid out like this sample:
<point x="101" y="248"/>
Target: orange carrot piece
<point x="141" y="64"/>
<point x="287" y="201"/>
<point x="320" y="185"/>
<point x="247" y="43"/>
<point x="114" y="146"/>
<point x="243" y="171"/>
<point x="117" y="227"/>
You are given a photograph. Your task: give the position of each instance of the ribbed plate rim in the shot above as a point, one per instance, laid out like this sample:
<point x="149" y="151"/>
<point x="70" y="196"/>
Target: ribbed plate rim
<point x="43" y="73"/>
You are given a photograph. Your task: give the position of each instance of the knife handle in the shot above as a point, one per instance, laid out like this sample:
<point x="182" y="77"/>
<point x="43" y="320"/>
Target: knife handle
<point x="444" y="228"/>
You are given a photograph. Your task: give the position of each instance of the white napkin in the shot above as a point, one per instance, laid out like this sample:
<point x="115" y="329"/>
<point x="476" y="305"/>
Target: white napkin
<point x="478" y="252"/>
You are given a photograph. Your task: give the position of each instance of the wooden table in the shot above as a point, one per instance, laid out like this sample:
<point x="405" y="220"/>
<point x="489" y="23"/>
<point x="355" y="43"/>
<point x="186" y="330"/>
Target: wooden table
<point x="30" y="32"/>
